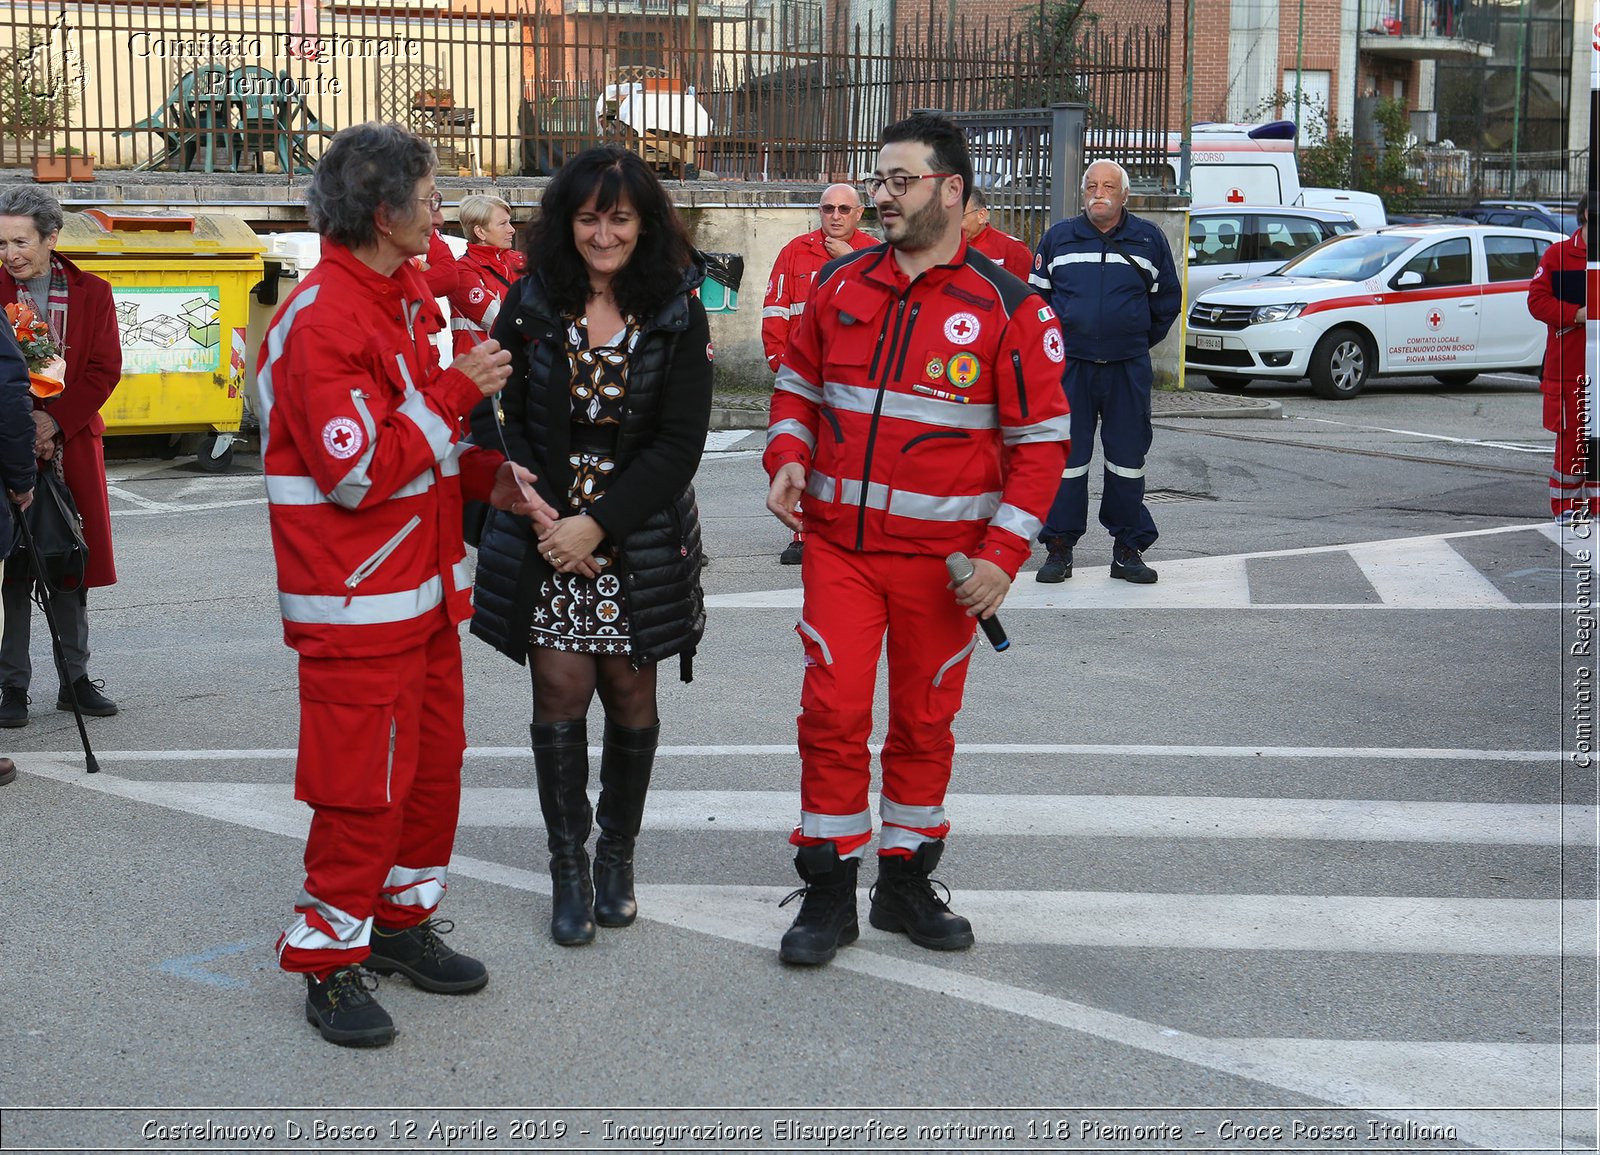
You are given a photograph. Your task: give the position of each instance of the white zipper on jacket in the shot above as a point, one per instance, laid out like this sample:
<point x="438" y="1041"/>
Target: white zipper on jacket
<point x="365" y="569"/>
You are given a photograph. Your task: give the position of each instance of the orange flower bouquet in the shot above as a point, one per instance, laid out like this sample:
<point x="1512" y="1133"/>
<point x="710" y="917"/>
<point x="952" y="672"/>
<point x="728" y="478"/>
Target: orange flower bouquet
<point x="47" y="370"/>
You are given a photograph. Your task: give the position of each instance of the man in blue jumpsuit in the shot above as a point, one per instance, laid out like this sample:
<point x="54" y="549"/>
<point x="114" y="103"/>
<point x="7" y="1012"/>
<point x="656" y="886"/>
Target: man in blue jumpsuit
<point x="1110" y="277"/>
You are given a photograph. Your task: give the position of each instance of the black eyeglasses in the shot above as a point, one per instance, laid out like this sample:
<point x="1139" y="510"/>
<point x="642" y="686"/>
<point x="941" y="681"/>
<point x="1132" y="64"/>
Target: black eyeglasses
<point x="898" y="184"/>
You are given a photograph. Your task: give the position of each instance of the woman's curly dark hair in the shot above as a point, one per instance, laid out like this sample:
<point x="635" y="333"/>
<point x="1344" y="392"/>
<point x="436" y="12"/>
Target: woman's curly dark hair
<point x="610" y="175"/>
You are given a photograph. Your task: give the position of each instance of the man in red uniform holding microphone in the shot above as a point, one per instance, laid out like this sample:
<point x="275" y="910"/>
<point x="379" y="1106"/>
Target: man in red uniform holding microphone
<point x="793" y="274"/>
<point x="919" y="411"/>
<point x="365" y="470"/>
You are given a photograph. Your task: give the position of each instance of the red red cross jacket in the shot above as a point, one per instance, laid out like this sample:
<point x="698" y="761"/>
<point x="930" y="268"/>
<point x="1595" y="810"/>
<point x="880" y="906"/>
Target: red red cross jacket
<point x="483" y="277"/>
<point x="1555" y="294"/>
<point x="793" y="273"/>
<point x="1004" y="250"/>
<point x="928" y="414"/>
<point x="364" y="464"/>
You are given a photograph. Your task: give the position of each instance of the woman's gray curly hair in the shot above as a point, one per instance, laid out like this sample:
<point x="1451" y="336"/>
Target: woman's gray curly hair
<point x="365" y="167"/>
<point x="26" y="200"/>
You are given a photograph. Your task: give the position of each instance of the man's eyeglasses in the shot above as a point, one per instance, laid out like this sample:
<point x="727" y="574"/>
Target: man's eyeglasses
<point x="898" y="185"/>
<point x="435" y="202"/>
<point x="837" y="210"/>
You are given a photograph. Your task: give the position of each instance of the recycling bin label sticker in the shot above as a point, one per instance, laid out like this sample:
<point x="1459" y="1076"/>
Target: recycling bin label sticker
<point x="169" y="329"/>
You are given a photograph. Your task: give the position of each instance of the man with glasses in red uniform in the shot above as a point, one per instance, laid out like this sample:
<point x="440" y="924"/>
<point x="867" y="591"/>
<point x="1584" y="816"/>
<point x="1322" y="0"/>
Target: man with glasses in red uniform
<point x="918" y="410"/>
<point x="793" y="274"/>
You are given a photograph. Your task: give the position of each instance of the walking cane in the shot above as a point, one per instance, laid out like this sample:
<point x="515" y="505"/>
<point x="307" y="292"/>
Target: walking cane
<point x="44" y="590"/>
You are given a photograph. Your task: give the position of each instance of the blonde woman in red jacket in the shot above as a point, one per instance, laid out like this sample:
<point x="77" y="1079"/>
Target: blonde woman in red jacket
<point x="485" y="272"/>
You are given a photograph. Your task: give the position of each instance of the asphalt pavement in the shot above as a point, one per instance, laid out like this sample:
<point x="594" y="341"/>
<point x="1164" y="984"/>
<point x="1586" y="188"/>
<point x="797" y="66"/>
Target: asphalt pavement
<point x="1295" y="849"/>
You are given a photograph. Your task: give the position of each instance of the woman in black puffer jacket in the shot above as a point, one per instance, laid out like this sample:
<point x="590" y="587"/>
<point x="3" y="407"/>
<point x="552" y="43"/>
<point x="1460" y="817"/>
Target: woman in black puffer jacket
<point x="609" y="402"/>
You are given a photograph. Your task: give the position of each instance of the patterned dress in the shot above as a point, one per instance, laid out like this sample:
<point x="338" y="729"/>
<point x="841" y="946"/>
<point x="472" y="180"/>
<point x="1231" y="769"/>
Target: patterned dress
<point x="575" y="613"/>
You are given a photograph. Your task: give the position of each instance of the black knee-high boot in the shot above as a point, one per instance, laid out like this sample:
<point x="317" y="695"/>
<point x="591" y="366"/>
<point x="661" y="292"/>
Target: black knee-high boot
<point x="625" y="763"/>
<point x="561" y="761"/>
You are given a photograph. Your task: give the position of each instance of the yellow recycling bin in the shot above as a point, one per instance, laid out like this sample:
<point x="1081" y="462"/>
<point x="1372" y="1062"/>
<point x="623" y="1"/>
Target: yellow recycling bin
<point x="181" y="285"/>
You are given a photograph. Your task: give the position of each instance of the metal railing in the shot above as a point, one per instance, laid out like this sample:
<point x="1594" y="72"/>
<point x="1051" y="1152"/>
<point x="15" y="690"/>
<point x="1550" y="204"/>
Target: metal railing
<point x="789" y="91"/>
<point x="1455" y="178"/>
<point x="1452" y="19"/>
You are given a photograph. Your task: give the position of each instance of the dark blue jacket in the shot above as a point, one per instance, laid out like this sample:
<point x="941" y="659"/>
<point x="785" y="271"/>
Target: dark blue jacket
<point x="17" y="465"/>
<point x="1106" y="312"/>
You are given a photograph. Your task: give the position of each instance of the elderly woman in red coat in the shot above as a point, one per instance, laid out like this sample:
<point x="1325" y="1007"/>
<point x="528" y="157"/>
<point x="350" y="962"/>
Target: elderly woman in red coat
<point x="68" y="429"/>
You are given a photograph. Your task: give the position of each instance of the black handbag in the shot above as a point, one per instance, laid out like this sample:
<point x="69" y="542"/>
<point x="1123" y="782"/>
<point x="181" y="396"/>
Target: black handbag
<point x="57" y="530"/>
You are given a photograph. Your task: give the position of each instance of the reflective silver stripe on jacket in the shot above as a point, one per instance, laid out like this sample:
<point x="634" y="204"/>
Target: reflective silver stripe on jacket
<point x="350" y="932"/>
<point x="364" y="609"/>
<point x="421" y="887"/>
<point x="354" y="486"/>
<point x="774" y="311"/>
<point x="909" y="407"/>
<point x="288" y="489"/>
<point x="461" y="574"/>
<point x="794" y="429"/>
<point x="790" y="381"/>
<point x="415" y="409"/>
<point x="274" y="343"/>
<point x="1103" y="258"/>
<point x="1018" y="521"/>
<point x="1053" y="429"/>
<point x="905" y="502"/>
<point x="835" y="825"/>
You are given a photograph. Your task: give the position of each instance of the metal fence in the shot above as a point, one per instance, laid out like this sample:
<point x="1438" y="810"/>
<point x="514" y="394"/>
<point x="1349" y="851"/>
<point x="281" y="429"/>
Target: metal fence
<point x="769" y="90"/>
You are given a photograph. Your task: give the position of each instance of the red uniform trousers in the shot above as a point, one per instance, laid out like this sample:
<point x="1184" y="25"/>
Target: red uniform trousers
<point x="1573" y="473"/>
<point x="851" y="601"/>
<point x="381" y="742"/>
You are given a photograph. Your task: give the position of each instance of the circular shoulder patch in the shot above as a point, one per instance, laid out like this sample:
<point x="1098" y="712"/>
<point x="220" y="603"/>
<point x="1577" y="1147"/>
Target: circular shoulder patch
<point x="342" y="438"/>
<point x="1052" y="345"/>
<point x="961" y="329"/>
<point x="477" y="295"/>
<point x="711" y="353"/>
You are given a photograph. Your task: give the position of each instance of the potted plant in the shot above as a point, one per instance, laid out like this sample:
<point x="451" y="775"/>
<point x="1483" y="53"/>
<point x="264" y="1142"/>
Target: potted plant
<point x="63" y="164"/>
<point x="436" y="98"/>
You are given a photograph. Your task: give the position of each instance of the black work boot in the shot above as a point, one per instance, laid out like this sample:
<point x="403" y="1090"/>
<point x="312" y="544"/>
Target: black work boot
<point x="1057" y="565"/>
<point x="1127" y="564"/>
<point x="418" y="953"/>
<point x="904" y="901"/>
<point x="827" y="918"/>
<point x="561" y="761"/>
<point x="91" y="700"/>
<point x="13" y="707"/>
<point x="625" y="763"/>
<point x="344" y="1010"/>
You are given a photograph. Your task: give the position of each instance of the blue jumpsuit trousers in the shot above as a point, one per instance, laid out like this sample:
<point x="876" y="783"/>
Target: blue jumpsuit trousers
<point x="1116" y="396"/>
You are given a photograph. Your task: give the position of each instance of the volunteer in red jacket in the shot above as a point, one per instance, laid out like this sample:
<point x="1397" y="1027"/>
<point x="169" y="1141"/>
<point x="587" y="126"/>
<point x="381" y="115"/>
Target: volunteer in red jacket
<point x="1003" y="249"/>
<point x="793" y="274"/>
<point x="1556" y="297"/>
<point x="485" y="272"/>
<point x="918" y="409"/>
<point x="365" y="474"/>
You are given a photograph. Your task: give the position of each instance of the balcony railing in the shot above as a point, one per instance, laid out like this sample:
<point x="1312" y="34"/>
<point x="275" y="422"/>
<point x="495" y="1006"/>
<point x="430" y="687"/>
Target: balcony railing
<point x="1424" y="29"/>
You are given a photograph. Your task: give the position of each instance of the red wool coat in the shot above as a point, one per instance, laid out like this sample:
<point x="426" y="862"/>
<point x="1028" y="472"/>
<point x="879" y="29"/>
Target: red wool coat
<point x="94" y="366"/>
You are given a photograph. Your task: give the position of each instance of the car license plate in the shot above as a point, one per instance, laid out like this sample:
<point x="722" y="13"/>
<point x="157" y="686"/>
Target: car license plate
<point x="1207" y="342"/>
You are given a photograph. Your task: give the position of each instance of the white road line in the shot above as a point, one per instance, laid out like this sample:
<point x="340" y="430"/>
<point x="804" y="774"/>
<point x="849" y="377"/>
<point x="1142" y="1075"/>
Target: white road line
<point x="1414" y="574"/>
<point x="1043" y="815"/>
<point x="966" y="749"/>
<point x="1513" y="446"/>
<point x="1415" y="1077"/>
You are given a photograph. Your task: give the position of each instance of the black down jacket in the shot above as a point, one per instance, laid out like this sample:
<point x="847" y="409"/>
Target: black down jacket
<point x="648" y="509"/>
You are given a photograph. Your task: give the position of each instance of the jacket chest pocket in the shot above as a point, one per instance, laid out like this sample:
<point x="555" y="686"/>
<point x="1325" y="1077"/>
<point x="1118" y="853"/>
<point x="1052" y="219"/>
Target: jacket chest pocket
<point x="923" y="502"/>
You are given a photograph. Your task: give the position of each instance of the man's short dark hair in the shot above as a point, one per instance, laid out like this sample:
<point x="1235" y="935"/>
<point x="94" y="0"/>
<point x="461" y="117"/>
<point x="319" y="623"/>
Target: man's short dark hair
<point x="944" y="139"/>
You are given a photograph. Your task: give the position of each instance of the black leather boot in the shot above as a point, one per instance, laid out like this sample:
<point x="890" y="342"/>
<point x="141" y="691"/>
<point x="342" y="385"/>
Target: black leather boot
<point x="827" y="918"/>
<point x="625" y="762"/>
<point x="904" y="901"/>
<point x="561" y="761"/>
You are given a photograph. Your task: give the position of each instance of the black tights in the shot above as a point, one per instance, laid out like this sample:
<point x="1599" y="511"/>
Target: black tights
<point x="565" y="683"/>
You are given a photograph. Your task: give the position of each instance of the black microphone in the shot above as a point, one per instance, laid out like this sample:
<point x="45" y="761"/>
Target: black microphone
<point x="959" y="566"/>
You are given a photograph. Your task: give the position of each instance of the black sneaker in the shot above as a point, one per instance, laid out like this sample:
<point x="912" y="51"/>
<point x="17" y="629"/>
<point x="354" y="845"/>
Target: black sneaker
<point x="792" y="553"/>
<point x="1057" y="566"/>
<point x="13" y="707"/>
<point x="344" y="1010"/>
<point x="1128" y="566"/>
<point x="418" y="953"/>
<point x="90" y="700"/>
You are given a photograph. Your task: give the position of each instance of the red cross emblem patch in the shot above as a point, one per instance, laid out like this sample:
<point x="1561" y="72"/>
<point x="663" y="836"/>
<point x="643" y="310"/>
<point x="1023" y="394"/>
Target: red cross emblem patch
<point x="1435" y="318"/>
<point x="961" y="329"/>
<point x="342" y="438"/>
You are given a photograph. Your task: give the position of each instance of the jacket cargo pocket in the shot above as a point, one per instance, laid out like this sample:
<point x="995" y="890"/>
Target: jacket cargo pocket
<point x="927" y="469"/>
<point x="347" y="731"/>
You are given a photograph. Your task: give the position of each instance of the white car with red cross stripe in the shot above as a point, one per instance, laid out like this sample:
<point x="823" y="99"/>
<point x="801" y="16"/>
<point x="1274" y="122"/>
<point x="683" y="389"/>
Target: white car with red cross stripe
<point x="1446" y="301"/>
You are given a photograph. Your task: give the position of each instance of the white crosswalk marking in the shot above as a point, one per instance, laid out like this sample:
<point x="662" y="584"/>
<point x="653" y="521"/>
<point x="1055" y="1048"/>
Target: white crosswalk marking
<point x="1424" y="572"/>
